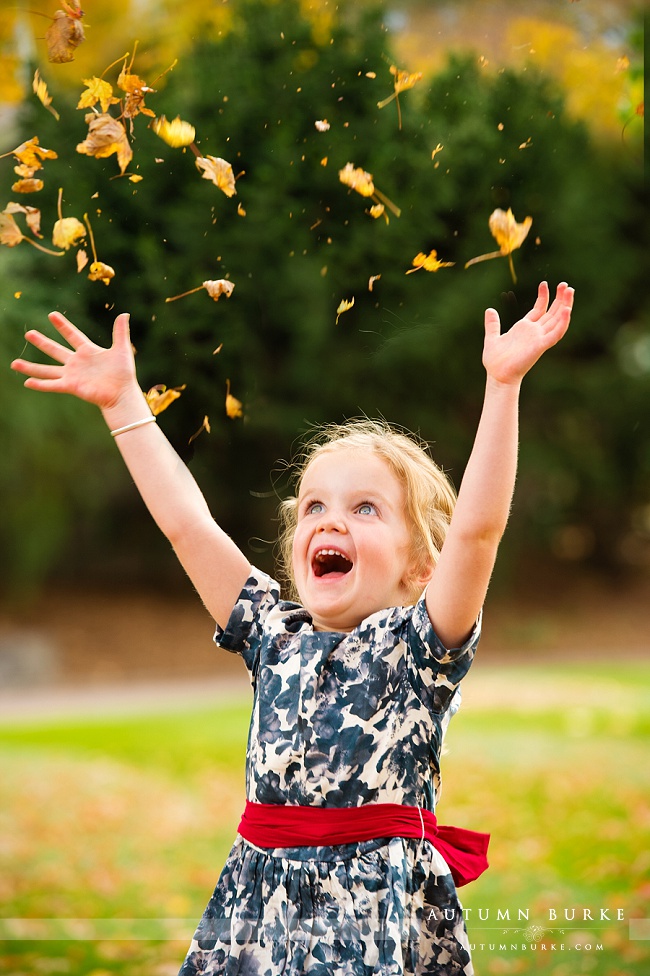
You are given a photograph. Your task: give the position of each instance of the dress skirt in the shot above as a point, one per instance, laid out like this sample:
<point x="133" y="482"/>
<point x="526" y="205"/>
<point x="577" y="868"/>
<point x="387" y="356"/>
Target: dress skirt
<point x="383" y="907"/>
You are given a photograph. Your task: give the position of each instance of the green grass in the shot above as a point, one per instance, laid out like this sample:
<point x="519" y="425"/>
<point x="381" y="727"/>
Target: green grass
<point x="132" y="818"/>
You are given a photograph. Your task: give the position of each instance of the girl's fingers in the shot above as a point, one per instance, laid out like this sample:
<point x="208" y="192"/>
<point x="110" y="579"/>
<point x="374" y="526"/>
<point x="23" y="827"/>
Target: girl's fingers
<point x="541" y="303"/>
<point x="49" y="346"/>
<point x="492" y="323"/>
<point x="70" y="332"/>
<point x="39" y="370"/>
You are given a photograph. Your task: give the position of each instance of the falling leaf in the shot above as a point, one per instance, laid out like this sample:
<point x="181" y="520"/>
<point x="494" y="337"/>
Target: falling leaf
<point x="82" y="259"/>
<point x="18" y="294"/>
<point x="205" y="426"/>
<point x="435" y="151"/>
<point x="508" y="234"/>
<point x="136" y="90"/>
<point x="67" y="231"/>
<point x="30" y="155"/>
<point x="134" y="178"/>
<point x="344" y="306"/>
<point x="101" y="272"/>
<point x="32" y="216"/>
<point x="429" y="262"/>
<point x="241" y="211"/>
<point x="323" y="161"/>
<point x="65" y="33"/>
<point x="106" y="136"/>
<point x="175" y="133"/>
<point x="97" y="90"/>
<point x="371" y="74"/>
<point x="372" y="280"/>
<point x="215" y="289"/>
<point x="357" y="179"/>
<point x="41" y="92"/>
<point x="218" y="171"/>
<point x="403" y="80"/>
<point x="30" y="185"/>
<point x="159" y="397"/>
<point x="234" y="407"/>
<point x="11" y="234"/>
<point x="377" y="210"/>
<point x="216" y="351"/>
<point x="322" y="125"/>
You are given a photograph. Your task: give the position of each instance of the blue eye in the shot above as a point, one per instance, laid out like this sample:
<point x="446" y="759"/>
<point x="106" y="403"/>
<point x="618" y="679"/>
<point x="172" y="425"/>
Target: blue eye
<point x="367" y="509"/>
<point x="315" y="508"/>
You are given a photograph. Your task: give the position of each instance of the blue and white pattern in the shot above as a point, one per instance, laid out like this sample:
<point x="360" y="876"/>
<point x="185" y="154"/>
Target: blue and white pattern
<point x="338" y="720"/>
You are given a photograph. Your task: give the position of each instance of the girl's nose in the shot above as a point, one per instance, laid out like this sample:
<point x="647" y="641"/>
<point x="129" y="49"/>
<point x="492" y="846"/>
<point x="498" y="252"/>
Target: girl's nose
<point x="332" y="521"/>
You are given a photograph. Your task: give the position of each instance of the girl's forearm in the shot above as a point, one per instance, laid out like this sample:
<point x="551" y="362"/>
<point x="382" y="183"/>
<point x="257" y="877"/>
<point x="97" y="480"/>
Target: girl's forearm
<point x="488" y="483"/>
<point x="169" y="491"/>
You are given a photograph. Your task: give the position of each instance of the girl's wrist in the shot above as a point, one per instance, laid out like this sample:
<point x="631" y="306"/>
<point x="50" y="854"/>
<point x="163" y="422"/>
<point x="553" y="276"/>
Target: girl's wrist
<point x="131" y="407"/>
<point x="503" y="387"/>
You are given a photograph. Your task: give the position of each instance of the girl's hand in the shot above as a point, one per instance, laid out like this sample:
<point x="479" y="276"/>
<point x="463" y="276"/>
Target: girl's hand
<point x="90" y="372"/>
<point x="508" y="357"/>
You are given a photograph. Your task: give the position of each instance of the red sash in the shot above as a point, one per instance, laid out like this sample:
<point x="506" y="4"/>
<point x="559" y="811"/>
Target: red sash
<point x="274" y="825"/>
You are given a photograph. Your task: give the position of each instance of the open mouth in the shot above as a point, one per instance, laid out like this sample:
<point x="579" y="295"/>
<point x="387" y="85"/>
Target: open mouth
<point x="330" y="562"/>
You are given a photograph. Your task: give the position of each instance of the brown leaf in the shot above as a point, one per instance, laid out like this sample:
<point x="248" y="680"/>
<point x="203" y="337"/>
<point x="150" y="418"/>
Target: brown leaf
<point x="159" y="397"/>
<point x="10" y="232"/>
<point x="106" y="136"/>
<point x="30" y="185"/>
<point x="65" y="33"/>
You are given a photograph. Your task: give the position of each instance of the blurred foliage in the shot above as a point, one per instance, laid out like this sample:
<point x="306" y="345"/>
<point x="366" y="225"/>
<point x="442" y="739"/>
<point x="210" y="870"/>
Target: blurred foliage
<point x="410" y="350"/>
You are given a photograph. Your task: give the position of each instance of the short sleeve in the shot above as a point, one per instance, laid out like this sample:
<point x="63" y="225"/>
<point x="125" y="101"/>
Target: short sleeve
<point x="244" y="630"/>
<point x="435" y="670"/>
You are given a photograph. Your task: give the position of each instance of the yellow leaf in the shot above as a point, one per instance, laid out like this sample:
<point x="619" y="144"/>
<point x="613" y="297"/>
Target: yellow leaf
<point x="357" y="179"/>
<point x="344" y="306"/>
<point x="30" y="154"/>
<point x="82" y="259"/>
<point x="10" y="232"/>
<point x="429" y="262"/>
<point x="323" y="161"/>
<point x="218" y="171"/>
<point x="106" y="136"/>
<point x="372" y="280"/>
<point x="134" y="178"/>
<point x="241" y="211"/>
<point x="18" y="294"/>
<point x="27" y="186"/>
<point x="159" y="397"/>
<point x="67" y="232"/>
<point x="101" y="272"/>
<point x="205" y="426"/>
<point x="508" y="234"/>
<point x="234" y="407"/>
<point x="97" y="90"/>
<point x="377" y="210"/>
<point x="175" y="133"/>
<point x="65" y="33"/>
<point x="41" y="92"/>
<point x="404" y="79"/>
<point x="136" y="89"/>
<point x="216" y="289"/>
<point x="434" y="152"/>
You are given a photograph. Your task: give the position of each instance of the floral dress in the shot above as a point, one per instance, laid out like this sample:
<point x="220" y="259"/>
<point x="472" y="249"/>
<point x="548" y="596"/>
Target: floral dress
<point x="338" y="720"/>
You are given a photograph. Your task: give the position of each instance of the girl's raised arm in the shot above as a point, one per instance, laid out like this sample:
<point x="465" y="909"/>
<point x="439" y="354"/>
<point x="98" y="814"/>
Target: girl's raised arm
<point x="107" y="378"/>
<point x="459" y="583"/>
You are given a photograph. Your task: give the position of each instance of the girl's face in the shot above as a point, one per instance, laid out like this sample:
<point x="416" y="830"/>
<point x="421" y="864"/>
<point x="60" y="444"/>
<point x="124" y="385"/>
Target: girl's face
<point x="351" y="548"/>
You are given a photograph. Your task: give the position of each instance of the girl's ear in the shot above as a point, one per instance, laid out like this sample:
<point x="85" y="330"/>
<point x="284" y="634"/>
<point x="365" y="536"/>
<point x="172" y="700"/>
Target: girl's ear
<point x="417" y="578"/>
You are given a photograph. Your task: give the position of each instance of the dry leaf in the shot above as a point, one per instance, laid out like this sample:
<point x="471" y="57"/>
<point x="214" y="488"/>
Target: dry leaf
<point x="372" y="280"/>
<point x="31" y="155"/>
<point x="403" y="80"/>
<point x="216" y="351"/>
<point x="175" y="133"/>
<point x="136" y="89"/>
<point x="97" y="90"/>
<point x="429" y="262"/>
<point x="205" y="426"/>
<point x="67" y="232"/>
<point x="106" y="136"/>
<point x="30" y="185"/>
<point x="218" y="171"/>
<point x="82" y="259"/>
<point x="32" y="216"/>
<point x="41" y="92"/>
<point x="159" y="397"/>
<point x="240" y="210"/>
<point x="10" y="233"/>
<point x="322" y="125"/>
<point x="65" y="33"/>
<point x="234" y="407"/>
<point x="215" y="289"/>
<point x="508" y="234"/>
<point x="101" y="272"/>
<point x="357" y="179"/>
<point x="344" y="306"/>
<point x="434" y="152"/>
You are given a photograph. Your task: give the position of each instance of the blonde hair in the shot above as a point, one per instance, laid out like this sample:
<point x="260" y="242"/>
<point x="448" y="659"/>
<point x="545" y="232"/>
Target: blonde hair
<point x="429" y="494"/>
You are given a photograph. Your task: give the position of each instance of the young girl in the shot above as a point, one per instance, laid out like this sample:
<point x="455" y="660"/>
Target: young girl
<point x="339" y="866"/>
